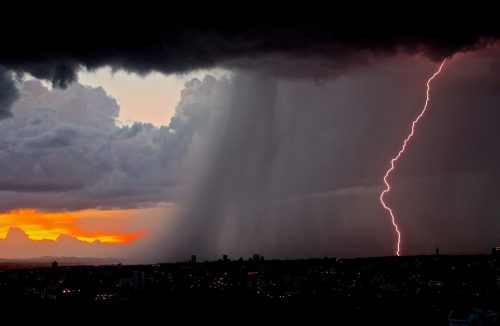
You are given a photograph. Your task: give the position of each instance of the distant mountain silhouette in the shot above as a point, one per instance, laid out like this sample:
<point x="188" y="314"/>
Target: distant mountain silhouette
<point x="61" y="261"/>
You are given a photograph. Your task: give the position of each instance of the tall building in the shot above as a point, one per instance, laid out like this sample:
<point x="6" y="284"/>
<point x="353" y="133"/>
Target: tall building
<point x="193" y="259"/>
<point x="139" y="280"/>
<point x="495" y="255"/>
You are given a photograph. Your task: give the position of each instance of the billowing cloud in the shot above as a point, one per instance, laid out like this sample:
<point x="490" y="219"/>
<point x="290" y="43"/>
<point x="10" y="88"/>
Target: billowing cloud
<point x="64" y="150"/>
<point x="17" y="244"/>
<point x="110" y="226"/>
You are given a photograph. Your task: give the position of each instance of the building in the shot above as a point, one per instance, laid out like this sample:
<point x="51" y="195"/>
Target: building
<point x="256" y="258"/>
<point x="495" y="255"/>
<point x="495" y="261"/>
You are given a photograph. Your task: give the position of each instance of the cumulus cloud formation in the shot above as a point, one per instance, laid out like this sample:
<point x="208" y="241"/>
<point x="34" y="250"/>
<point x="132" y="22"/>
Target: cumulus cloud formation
<point x="62" y="149"/>
<point x="63" y="246"/>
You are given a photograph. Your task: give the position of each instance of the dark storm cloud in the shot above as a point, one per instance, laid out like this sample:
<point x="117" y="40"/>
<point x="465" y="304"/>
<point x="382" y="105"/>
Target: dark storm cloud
<point x="178" y="37"/>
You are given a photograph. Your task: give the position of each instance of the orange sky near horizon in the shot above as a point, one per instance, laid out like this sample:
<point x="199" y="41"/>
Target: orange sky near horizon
<point x="107" y="226"/>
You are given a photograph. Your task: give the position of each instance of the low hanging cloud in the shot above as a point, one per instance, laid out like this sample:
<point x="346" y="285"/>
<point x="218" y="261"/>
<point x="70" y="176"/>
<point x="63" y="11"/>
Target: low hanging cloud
<point x="186" y="36"/>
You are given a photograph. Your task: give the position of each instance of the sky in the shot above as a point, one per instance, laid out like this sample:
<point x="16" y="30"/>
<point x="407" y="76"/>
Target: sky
<point x="258" y="132"/>
<point x="151" y="98"/>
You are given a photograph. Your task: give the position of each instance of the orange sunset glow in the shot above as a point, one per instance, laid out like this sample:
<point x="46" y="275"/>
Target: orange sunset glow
<point x="107" y="226"/>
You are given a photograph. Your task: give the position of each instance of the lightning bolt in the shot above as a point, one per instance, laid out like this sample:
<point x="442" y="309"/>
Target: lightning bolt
<point x="401" y="151"/>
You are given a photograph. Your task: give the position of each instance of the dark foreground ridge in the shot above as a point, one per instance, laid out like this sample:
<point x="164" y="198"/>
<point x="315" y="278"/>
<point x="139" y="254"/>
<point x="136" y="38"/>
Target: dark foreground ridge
<point x="442" y="290"/>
